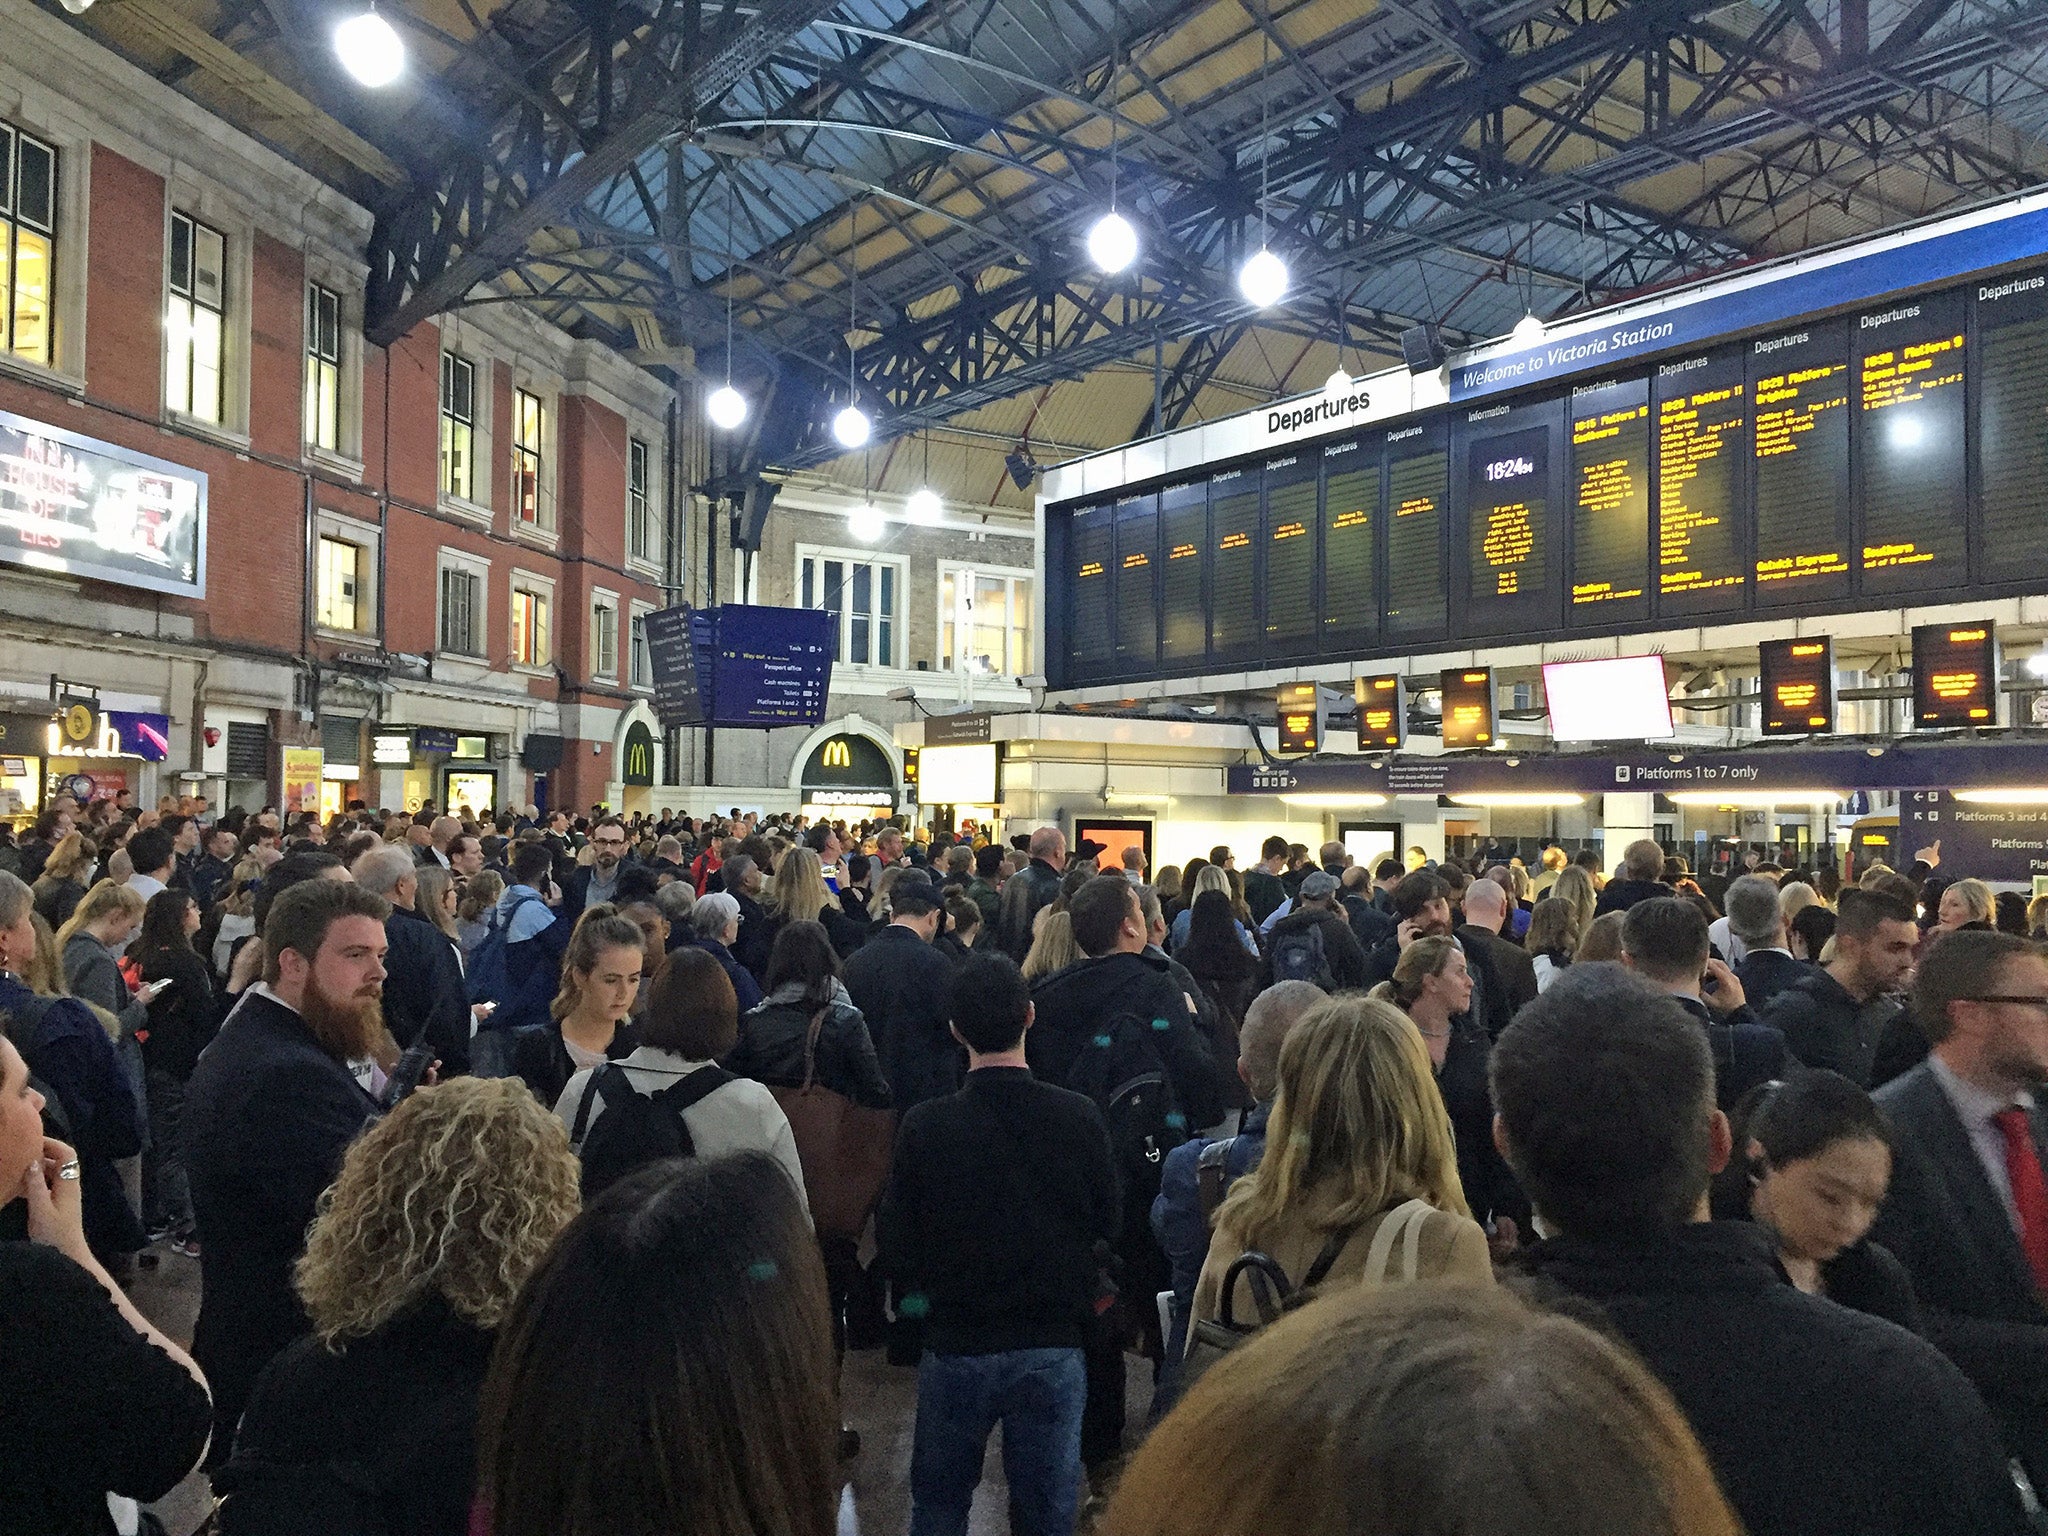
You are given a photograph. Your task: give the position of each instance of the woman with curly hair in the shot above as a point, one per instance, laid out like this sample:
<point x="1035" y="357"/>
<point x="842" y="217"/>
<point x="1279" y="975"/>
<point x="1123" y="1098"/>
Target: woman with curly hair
<point x="441" y="1212"/>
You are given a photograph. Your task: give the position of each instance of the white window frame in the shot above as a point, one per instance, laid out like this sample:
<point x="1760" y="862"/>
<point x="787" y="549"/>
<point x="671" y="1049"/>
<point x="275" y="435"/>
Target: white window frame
<point x="646" y="525"/>
<point x="639" y="661"/>
<point x="533" y="584"/>
<point x="367" y="538"/>
<point x="479" y="568"/>
<point x="13" y="224"/>
<point x="323" y="369"/>
<point x="604" y="601"/>
<point x="221" y="210"/>
<point x="346" y="284"/>
<point x="182" y="308"/>
<point x="963" y="573"/>
<point x="30" y="109"/>
<point x="899" y="618"/>
<point x="543" y="529"/>
<point x="476" y="507"/>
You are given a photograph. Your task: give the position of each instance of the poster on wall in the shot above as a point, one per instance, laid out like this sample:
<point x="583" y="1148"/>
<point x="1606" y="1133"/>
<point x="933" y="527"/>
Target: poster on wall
<point x="301" y="779"/>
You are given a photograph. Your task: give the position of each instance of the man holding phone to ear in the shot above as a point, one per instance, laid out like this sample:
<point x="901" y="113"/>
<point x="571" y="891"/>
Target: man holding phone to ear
<point x="1664" y="940"/>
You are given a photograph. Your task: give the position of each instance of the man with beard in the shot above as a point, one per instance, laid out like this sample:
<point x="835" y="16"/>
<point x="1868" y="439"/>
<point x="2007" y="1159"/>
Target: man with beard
<point x="597" y="882"/>
<point x="269" y="1112"/>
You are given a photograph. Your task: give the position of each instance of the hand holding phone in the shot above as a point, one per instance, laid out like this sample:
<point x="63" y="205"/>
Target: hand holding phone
<point x="151" y="990"/>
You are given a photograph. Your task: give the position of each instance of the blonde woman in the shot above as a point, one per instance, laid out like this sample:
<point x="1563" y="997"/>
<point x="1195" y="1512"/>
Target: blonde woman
<point x="1964" y="904"/>
<point x="67" y="872"/>
<point x="1357" y="1133"/>
<point x="441" y="1211"/>
<point x="797" y="894"/>
<point x="1577" y="888"/>
<point x="1052" y="947"/>
<point x="91" y="943"/>
<point x="436" y="901"/>
<point x="238" y="915"/>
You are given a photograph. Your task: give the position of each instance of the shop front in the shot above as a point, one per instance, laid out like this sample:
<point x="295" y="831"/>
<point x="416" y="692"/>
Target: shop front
<point x="959" y="772"/>
<point x="638" y="752"/>
<point x="848" y="776"/>
<point x="80" y="749"/>
<point x="458" y="771"/>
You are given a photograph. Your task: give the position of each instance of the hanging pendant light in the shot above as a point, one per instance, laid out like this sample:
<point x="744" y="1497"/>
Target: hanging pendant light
<point x="370" y="49"/>
<point x="1112" y="243"/>
<point x="1262" y="279"/>
<point x="1528" y="330"/>
<point x="727" y="407"/>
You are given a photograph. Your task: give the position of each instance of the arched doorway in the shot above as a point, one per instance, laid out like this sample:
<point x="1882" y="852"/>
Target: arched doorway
<point x="847" y="774"/>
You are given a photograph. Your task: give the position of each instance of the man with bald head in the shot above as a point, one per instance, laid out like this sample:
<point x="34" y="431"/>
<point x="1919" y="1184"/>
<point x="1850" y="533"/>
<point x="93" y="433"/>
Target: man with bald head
<point x="1486" y="911"/>
<point x="1040" y="880"/>
<point x="442" y="831"/>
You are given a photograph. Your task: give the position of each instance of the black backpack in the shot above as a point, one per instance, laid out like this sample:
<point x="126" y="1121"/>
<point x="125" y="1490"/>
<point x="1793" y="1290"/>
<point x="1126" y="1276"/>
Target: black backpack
<point x="1299" y="955"/>
<point x="1122" y="1070"/>
<point x="636" y="1128"/>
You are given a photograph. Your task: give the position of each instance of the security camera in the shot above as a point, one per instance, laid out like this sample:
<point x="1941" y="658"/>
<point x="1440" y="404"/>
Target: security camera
<point x="903" y="695"/>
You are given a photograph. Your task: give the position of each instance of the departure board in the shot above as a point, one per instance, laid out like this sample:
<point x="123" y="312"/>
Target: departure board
<point x="1418" y="484"/>
<point x="1911" y="453"/>
<point x="1234" y="565"/>
<point x="2012" y="422"/>
<point x="1702" y="484"/>
<point x="1799" y="387"/>
<point x="1183" y="604"/>
<point x="1508" y="536"/>
<point x="1468" y="707"/>
<point x="1798" y="686"/>
<point x="1610" y="501"/>
<point x="1301" y="717"/>
<point x="1382" y="713"/>
<point x="1092" y="552"/>
<point x="1955" y="674"/>
<point x="1137" y="585"/>
<point x="1351" y="518"/>
<point x="1290" y="534"/>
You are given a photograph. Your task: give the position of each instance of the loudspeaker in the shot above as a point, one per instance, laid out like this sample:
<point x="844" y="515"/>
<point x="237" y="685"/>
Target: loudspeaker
<point x="1422" y="348"/>
<point x="1022" y="470"/>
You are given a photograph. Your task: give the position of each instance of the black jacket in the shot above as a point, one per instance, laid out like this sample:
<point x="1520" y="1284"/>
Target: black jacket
<point x="1765" y="973"/>
<point x="1512" y="966"/>
<point x="1490" y="1187"/>
<point x="1262" y="893"/>
<point x="541" y="1061"/>
<point x="771" y="1050"/>
<point x="1746" y="1053"/>
<point x="423" y="989"/>
<point x="1620" y="895"/>
<point x="1342" y="952"/>
<point x="1075" y="1004"/>
<point x="209" y="879"/>
<point x="56" y="900"/>
<point x="1948" y="1226"/>
<point x="751" y="944"/>
<point x="397" y="1407"/>
<point x="268" y="1117"/>
<point x="1369" y="925"/>
<point x="1825" y="1027"/>
<point x="1818" y="1421"/>
<point x="744" y="987"/>
<point x="1040" y="888"/>
<point x="900" y="984"/>
<point x="185" y="1015"/>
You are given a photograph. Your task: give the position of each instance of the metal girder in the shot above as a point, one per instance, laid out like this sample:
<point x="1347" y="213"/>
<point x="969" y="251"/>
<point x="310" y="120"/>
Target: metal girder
<point x="1173" y="394"/>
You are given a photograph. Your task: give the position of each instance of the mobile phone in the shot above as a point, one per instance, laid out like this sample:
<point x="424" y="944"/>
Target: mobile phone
<point x="405" y="1076"/>
<point x="154" y="989"/>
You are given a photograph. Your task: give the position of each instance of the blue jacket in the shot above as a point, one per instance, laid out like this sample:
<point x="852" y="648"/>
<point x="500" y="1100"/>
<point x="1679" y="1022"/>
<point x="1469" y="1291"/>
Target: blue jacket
<point x="744" y="987"/>
<point x="1177" y="1219"/>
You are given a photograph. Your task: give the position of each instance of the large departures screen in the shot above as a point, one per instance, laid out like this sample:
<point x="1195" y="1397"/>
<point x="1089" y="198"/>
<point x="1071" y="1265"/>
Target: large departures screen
<point x="1892" y="451"/>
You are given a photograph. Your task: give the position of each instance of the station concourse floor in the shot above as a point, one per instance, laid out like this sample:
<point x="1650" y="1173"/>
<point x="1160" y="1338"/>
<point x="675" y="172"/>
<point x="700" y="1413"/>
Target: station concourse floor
<point x="880" y="1402"/>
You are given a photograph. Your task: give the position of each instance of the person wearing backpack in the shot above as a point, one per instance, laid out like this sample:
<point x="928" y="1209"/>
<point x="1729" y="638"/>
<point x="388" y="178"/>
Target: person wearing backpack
<point x="669" y="1097"/>
<point x="591" y="1023"/>
<point x="518" y="965"/>
<point x="1314" y="942"/>
<point x="1001" y="1201"/>
<point x="1358" y="1185"/>
<point x="1116" y="1027"/>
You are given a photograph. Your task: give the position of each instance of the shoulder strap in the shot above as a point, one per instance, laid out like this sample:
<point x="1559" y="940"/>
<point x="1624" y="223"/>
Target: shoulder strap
<point x="699" y="1085"/>
<point x="1404" y="1220"/>
<point x="1327" y="1258"/>
<point x="608" y="1080"/>
<point x="817" y="1028"/>
<point x="1211" y="1167"/>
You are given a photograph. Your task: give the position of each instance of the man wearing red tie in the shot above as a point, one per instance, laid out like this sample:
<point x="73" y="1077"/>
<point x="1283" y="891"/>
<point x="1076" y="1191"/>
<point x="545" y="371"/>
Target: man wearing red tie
<point x="1968" y="1209"/>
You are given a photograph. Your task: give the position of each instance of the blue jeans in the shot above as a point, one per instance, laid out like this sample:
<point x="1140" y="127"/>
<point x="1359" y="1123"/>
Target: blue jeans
<point x="1037" y="1396"/>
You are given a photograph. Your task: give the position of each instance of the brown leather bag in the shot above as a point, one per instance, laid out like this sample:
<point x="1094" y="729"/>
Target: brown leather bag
<point x="845" y="1147"/>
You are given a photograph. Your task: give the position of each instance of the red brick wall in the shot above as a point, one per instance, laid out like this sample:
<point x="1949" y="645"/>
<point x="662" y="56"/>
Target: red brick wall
<point x="124" y="332"/>
<point x="277" y="326"/>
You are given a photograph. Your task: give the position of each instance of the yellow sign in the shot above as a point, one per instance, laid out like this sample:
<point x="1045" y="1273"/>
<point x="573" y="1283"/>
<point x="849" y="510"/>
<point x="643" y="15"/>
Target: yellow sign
<point x="301" y="779"/>
<point x="838" y="754"/>
<point x="81" y="724"/>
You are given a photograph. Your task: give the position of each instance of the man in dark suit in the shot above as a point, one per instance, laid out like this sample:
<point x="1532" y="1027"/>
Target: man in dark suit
<point x="1486" y="909"/>
<point x="423" y="987"/>
<point x="899" y="983"/>
<point x="1968" y="1209"/>
<point x="1837" y="1015"/>
<point x="1757" y="925"/>
<point x="269" y="1113"/>
<point x="1664" y="940"/>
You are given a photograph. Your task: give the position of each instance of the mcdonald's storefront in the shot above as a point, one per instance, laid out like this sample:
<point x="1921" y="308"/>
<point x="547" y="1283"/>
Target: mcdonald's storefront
<point x="849" y="777"/>
<point x="639" y="760"/>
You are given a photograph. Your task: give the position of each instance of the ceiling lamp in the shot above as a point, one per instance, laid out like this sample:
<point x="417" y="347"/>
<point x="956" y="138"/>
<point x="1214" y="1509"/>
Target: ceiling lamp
<point x="850" y="428"/>
<point x="369" y="49"/>
<point x="924" y="507"/>
<point x="1528" y="330"/>
<point x="727" y="407"/>
<point x="865" y="522"/>
<point x="1262" y="279"/>
<point x="1338" y="382"/>
<point x="1112" y="243"/>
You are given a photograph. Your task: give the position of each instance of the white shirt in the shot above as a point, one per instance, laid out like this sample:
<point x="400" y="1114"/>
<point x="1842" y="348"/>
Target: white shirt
<point x="144" y="886"/>
<point x="1724" y="941"/>
<point x="1977" y="1110"/>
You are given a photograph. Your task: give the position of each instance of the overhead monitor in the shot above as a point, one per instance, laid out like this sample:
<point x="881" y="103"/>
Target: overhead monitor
<point x="1468" y="707"/>
<point x="1955" y="674"/>
<point x="1620" y="698"/>
<point x="1301" y="717"/>
<point x="964" y="775"/>
<point x="1798" y="686"/>
<point x="1382" y="713"/>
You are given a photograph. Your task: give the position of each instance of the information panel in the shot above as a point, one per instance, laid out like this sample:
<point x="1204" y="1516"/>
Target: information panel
<point x="1301" y="717"/>
<point x="1702" y="530"/>
<point x="1290" y="533"/>
<point x="1091" y="547"/>
<point x="1955" y="675"/>
<point x="1510" y="545"/>
<point x="1137" y="581"/>
<point x="1910" y="452"/>
<point x="1610" y="501"/>
<point x="1183" y="604"/>
<point x="1798" y="686"/>
<point x="1800" y="385"/>
<point x="1351" y="519"/>
<point x="1468" y="707"/>
<point x="1382" y="713"/>
<point x="1234" y="566"/>
<point x="2012" y="422"/>
<point x="773" y="665"/>
<point x="1418" y="483"/>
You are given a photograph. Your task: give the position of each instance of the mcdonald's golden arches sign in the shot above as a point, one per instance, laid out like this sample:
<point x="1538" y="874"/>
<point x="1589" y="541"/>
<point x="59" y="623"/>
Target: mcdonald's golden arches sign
<point x="636" y="760"/>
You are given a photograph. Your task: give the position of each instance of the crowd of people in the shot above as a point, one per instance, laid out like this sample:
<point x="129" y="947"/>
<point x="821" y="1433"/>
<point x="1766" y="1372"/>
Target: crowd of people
<point x="541" y="1171"/>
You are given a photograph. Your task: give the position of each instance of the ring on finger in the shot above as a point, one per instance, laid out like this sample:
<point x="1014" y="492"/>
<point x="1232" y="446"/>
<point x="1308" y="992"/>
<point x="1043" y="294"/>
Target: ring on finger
<point x="68" y="1170"/>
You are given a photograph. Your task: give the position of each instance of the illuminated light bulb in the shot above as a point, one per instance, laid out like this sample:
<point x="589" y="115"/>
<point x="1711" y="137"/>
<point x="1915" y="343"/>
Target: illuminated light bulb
<point x="1338" y="382"/>
<point x="1528" y="330"/>
<point x="924" y="507"/>
<point x="370" y="50"/>
<point x="865" y="522"/>
<point x="727" y="407"/>
<point x="851" y="428"/>
<point x="1112" y="243"/>
<point x="1908" y="432"/>
<point x="1262" y="279"/>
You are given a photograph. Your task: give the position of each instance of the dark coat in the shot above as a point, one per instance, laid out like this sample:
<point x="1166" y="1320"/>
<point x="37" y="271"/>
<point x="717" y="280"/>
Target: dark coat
<point x="1041" y="887"/>
<point x="1490" y="1187"/>
<point x="268" y="1117"/>
<point x="900" y="985"/>
<point x="751" y="945"/>
<point x="1825" y="1027"/>
<point x="1901" y="1047"/>
<point x="1948" y="1226"/>
<point x="423" y="989"/>
<point x="56" y="901"/>
<point x="399" y="1405"/>
<point x="1074" y="1005"/>
<point x="1765" y="973"/>
<point x="1513" y="966"/>
<point x="185" y="1015"/>
<point x="1620" y="895"/>
<point x="209" y="879"/>
<point x="1818" y="1420"/>
<point x="744" y="987"/>
<point x="1342" y="952"/>
<point x="541" y="1061"/>
<point x="771" y="1051"/>
<point x="1371" y="926"/>
<point x="1746" y="1053"/>
<point x="1262" y="893"/>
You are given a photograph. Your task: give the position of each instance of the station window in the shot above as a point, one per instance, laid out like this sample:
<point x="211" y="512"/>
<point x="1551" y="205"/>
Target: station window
<point x="323" y="367"/>
<point x="985" y="620"/>
<point x="865" y="597"/>
<point x="28" y="244"/>
<point x="643" y="532"/>
<point x="642" y="662"/>
<point x="526" y="451"/>
<point x="604" y="637"/>
<point x="458" y="426"/>
<point x="340" y="584"/>
<point x="462" y="606"/>
<point x="195" y="319"/>
<point x="532" y="634"/>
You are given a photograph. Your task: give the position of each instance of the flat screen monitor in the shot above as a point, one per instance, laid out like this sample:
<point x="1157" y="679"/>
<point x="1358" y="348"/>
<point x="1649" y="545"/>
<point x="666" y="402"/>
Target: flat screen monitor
<point x="964" y="775"/>
<point x="1624" y="698"/>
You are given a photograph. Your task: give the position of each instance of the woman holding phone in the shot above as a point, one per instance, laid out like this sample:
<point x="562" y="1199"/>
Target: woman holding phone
<point x="183" y="1017"/>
